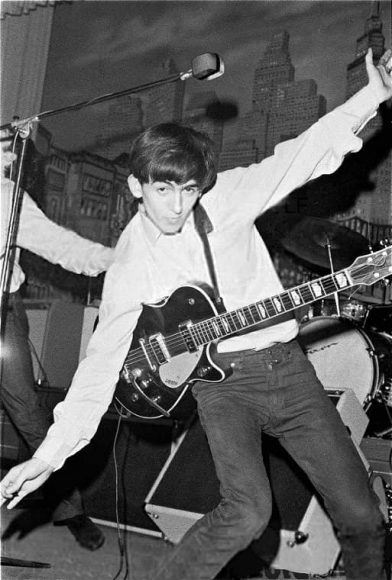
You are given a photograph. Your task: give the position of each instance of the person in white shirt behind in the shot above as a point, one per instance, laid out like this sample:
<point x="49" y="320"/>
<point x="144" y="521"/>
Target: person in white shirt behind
<point x="37" y="233"/>
<point x="273" y="387"/>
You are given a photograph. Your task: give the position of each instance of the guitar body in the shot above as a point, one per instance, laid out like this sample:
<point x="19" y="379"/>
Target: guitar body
<point x="167" y="384"/>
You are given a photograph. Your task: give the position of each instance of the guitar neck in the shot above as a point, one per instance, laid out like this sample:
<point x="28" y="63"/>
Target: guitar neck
<point x="230" y="323"/>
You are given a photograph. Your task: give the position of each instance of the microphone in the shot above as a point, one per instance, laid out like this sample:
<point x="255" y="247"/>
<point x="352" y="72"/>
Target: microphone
<point x="206" y="66"/>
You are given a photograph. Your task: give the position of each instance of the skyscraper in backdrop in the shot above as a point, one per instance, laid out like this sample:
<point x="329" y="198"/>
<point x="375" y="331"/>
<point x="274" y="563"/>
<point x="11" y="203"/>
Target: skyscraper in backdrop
<point x="282" y="107"/>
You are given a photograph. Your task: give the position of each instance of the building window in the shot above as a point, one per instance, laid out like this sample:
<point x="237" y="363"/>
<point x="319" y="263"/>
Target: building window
<point x="96" y="185"/>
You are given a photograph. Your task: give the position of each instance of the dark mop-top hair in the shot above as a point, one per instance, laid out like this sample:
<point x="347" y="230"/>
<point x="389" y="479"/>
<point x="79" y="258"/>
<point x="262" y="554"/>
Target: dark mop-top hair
<point x="173" y="152"/>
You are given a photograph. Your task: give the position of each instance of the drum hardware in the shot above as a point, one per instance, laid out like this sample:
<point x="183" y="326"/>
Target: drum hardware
<point x="387" y="392"/>
<point x="352" y="309"/>
<point x="380" y="420"/>
<point x="383" y="433"/>
<point x="384" y="393"/>
<point x="379" y="319"/>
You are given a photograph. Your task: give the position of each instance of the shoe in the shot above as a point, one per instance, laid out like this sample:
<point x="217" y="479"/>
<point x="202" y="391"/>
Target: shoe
<point x="86" y="533"/>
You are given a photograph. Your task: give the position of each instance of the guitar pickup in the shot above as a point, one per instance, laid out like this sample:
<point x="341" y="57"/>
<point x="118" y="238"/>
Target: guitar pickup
<point x="159" y="348"/>
<point x="184" y="328"/>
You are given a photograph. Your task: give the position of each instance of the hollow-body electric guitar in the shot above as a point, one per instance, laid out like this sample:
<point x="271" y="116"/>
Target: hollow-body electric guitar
<point x="174" y="341"/>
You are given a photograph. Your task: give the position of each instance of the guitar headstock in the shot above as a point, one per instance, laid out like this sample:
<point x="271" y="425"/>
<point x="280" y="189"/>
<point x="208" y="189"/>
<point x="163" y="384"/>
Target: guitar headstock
<point x="373" y="267"/>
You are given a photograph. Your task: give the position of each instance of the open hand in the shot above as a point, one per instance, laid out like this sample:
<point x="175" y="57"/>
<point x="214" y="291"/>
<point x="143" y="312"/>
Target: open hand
<point x="23" y="479"/>
<point x="7" y="157"/>
<point x="380" y="76"/>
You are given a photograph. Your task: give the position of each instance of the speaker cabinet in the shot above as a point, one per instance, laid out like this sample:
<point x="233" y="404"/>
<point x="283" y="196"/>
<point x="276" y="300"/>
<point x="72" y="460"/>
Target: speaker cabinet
<point x="115" y="477"/>
<point x="299" y="536"/>
<point x="10" y="442"/>
<point x="55" y="334"/>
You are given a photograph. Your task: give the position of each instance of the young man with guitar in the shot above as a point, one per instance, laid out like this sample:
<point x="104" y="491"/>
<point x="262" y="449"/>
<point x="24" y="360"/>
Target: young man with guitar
<point x="247" y="373"/>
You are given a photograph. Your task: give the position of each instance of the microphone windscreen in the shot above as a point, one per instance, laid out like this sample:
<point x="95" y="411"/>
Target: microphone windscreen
<point x="207" y="66"/>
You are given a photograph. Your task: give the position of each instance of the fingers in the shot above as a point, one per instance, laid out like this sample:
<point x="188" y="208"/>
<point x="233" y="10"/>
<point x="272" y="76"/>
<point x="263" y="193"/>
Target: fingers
<point x="385" y="65"/>
<point x="369" y="62"/>
<point x="19" y="496"/>
<point x="2" y="500"/>
<point x="16" y="499"/>
<point x="380" y="75"/>
<point x="386" y="59"/>
<point x="10" y="483"/>
<point x="22" y="480"/>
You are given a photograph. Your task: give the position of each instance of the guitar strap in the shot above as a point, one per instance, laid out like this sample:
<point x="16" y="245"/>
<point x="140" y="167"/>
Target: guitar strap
<point x="204" y="227"/>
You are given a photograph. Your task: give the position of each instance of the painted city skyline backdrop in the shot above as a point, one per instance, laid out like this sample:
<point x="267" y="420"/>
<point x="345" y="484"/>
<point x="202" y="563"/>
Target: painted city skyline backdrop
<point x="111" y="45"/>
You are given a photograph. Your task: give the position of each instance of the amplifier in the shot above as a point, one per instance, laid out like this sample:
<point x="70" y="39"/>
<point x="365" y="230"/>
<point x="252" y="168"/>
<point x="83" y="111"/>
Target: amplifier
<point x="55" y="334"/>
<point x="59" y="334"/>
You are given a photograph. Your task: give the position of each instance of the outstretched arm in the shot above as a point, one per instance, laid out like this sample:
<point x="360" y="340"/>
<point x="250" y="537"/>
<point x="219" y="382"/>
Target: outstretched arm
<point x="58" y="245"/>
<point x="319" y="150"/>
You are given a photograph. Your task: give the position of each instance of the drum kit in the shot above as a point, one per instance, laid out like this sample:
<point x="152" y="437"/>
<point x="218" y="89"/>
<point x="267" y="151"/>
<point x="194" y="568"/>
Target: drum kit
<point x="348" y="341"/>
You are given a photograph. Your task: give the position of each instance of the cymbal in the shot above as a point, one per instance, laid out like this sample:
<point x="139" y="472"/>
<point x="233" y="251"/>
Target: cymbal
<point x="310" y="238"/>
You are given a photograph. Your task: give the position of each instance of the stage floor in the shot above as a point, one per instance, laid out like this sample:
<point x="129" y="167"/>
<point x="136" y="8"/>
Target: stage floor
<point x="28" y="538"/>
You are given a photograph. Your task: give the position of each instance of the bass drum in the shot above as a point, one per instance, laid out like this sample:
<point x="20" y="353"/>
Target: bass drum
<point x="347" y="357"/>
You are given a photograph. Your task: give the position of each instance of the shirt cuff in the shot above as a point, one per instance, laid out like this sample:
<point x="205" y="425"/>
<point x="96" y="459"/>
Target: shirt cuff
<point x="54" y="452"/>
<point x="363" y="105"/>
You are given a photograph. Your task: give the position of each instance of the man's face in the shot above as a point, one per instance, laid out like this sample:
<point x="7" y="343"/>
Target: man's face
<point x="169" y="204"/>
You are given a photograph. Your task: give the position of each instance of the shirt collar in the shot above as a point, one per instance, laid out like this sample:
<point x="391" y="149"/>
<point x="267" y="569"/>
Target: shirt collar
<point x="152" y="232"/>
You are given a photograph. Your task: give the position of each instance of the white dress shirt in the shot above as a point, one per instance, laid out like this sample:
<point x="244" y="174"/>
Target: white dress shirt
<point x="39" y="234"/>
<point x="150" y="265"/>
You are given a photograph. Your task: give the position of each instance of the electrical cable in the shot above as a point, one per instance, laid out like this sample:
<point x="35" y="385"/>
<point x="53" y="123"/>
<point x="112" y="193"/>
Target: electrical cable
<point x="120" y="534"/>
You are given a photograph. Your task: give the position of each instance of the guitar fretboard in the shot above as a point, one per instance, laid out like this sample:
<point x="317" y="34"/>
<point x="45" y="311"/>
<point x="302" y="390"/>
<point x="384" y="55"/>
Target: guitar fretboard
<point x="234" y="321"/>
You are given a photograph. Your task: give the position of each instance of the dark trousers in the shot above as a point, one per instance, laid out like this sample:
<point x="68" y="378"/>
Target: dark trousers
<point x="276" y="391"/>
<point x="21" y="402"/>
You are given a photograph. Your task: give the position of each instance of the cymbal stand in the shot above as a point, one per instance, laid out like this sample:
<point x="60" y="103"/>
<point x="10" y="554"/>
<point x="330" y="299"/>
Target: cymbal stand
<point x="335" y="294"/>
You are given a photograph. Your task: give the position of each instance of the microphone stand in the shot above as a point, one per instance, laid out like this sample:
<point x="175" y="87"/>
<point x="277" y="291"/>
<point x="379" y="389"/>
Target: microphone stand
<point x="201" y="75"/>
<point x="87" y="103"/>
<point x="10" y="245"/>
